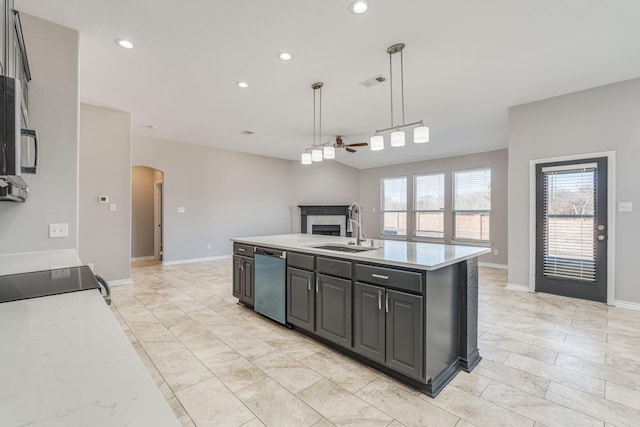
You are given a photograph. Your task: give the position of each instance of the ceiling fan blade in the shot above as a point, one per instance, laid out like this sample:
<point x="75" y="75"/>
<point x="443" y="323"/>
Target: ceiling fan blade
<point x="358" y="144"/>
<point x="351" y="150"/>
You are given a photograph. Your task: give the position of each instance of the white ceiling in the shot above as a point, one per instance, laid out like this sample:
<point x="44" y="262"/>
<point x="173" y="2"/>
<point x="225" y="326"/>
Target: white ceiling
<point x="465" y="63"/>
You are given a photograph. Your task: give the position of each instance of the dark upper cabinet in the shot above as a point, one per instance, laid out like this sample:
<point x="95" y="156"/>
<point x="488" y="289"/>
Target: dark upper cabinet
<point x="301" y="298"/>
<point x="333" y="309"/>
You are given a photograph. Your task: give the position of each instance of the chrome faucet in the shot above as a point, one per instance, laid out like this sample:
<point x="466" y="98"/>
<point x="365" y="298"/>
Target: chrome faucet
<point x="354" y="208"/>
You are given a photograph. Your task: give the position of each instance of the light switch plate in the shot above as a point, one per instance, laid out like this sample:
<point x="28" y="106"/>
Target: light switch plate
<point x="625" y="206"/>
<point x="181" y="209"/>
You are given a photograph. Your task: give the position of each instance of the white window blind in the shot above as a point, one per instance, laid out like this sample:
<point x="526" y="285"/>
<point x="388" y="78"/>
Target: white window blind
<point x="429" y="205"/>
<point x="394" y="206"/>
<point x="472" y="204"/>
<point x="569" y="222"/>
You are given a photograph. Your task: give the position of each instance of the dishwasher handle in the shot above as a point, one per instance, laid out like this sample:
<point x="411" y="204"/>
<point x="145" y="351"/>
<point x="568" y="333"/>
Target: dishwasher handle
<point x="271" y="252"/>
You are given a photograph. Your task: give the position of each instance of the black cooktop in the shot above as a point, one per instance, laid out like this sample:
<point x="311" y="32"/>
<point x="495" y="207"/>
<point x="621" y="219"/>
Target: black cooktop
<point x="15" y="287"/>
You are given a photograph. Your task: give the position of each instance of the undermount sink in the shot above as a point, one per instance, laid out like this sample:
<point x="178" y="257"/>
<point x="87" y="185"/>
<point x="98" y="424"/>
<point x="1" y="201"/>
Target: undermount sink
<point x="345" y="248"/>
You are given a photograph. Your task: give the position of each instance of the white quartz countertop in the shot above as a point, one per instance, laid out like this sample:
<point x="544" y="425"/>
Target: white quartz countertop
<point x="65" y="361"/>
<point x="423" y="256"/>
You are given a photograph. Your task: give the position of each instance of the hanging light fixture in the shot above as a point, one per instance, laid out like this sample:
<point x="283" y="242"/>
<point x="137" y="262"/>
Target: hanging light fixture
<point x="420" y="132"/>
<point x="318" y="151"/>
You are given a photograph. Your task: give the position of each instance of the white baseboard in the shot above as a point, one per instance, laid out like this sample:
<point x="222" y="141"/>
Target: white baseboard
<point x="192" y="260"/>
<point x="143" y="258"/>
<point x="627" y="305"/>
<point x="514" y="287"/>
<point x="492" y="265"/>
<point x="119" y="282"/>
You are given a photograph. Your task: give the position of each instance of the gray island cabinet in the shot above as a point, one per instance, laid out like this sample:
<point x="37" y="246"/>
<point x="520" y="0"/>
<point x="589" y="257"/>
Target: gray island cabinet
<point x="407" y="309"/>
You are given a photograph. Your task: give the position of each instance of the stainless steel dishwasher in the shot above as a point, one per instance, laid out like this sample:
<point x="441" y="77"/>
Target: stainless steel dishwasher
<point x="270" y="283"/>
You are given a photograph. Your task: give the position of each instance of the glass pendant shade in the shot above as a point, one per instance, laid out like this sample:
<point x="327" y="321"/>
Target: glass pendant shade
<point x="376" y="142"/>
<point x="421" y="134"/>
<point x="397" y="138"/>
<point x="329" y="152"/>
<point x="316" y="155"/>
<point x="306" y="158"/>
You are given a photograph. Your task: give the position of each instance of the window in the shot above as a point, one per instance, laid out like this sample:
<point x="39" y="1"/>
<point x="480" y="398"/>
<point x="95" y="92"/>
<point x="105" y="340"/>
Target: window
<point x="471" y="204"/>
<point x="429" y="205"/>
<point x="394" y="206"/>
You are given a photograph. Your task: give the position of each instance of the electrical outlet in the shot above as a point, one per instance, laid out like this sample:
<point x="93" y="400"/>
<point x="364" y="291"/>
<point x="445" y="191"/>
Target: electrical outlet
<point x="496" y="252"/>
<point x="113" y="207"/>
<point x="181" y="209"/>
<point x="625" y="206"/>
<point x="208" y="245"/>
<point x="58" y="230"/>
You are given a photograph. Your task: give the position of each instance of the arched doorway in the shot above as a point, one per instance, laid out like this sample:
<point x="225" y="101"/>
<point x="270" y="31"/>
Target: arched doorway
<point x="147" y="185"/>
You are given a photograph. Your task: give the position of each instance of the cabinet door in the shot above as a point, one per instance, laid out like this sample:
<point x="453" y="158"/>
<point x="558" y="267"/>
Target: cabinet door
<point x="247" y="281"/>
<point x="333" y="309"/>
<point x="237" y="276"/>
<point x="300" y="298"/>
<point x="369" y="322"/>
<point x="404" y="333"/>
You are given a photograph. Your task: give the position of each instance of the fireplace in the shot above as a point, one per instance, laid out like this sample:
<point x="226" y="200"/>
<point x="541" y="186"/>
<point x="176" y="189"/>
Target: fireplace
<point x="325" y="220"/>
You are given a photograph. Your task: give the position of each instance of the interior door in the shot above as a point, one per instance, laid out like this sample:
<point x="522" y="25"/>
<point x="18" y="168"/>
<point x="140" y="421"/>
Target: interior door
<point x="571" y="228"/>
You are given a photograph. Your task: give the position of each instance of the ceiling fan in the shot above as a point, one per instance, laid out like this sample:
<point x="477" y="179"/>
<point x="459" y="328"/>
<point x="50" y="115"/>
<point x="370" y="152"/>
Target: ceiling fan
<point x="340" y="144"/>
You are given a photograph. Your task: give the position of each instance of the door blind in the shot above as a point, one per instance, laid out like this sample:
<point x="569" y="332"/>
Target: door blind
<point x="569" y="198"/>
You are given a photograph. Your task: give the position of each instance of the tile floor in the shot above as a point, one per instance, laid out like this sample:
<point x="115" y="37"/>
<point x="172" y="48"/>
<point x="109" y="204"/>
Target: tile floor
<point x="548" y="360"/>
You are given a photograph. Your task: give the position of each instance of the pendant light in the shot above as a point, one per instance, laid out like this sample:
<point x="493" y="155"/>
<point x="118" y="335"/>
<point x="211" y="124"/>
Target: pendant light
<point x="420" y="133"/>
<point x="318" y="150"/>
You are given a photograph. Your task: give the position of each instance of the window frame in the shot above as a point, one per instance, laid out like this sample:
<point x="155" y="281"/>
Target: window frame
<point x="416" y="211"/>
<point x="383" y="211"/>
<point x="454" y="211"/>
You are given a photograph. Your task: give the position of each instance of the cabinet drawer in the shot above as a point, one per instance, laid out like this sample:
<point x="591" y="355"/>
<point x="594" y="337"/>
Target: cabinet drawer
<point x="334" y="267"/>
<point x="389" y="277"/>
<point x="241" y="249"/>
<point x="303" y="261"/>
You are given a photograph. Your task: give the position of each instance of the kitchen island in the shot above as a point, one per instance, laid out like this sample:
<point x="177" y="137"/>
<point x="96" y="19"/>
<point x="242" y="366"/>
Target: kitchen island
<point x="407" y="309"/>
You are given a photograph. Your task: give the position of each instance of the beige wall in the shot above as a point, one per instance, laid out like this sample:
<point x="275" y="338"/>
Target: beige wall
<point x="105" y="169"/>
<point x="605" y="118"/>
<point x="142" y="207"/>
<point x="225" y="194"/>
<point x="53" y="111"/>
<point x="497" y="160"/>
<point x="326" y="183"/>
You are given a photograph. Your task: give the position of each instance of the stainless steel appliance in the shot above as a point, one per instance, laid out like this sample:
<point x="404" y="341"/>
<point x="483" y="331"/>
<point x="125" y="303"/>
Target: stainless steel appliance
<point x="18" y="145"/>
<point x="270" y="283"/>
<point x="35" y="284"/>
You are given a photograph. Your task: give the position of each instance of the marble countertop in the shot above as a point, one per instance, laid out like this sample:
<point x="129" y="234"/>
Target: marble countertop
<point x="65" y="360"/>
<point x="423" y="256"/>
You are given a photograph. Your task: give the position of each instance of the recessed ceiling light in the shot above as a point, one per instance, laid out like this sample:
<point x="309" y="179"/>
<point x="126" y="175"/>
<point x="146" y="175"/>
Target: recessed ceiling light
<point x="285" y="56"/>
<point x="359" y="6"/>
<point x="124" y="43"/>
<point x="242" y="84"/>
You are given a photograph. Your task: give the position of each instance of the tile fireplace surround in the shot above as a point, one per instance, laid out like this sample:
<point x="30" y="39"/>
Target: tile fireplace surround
<point x="311" y="215"/>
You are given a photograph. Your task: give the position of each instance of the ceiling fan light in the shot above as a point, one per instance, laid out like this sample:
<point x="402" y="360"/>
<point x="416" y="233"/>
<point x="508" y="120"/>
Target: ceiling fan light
<point x="316" y="155"/>
<point x="329" y="152"/>
<point x="397" y="138"/>
<point x="306" y="158"/>
<point x="376" y="142"/>
<point x="421" y="134"/>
